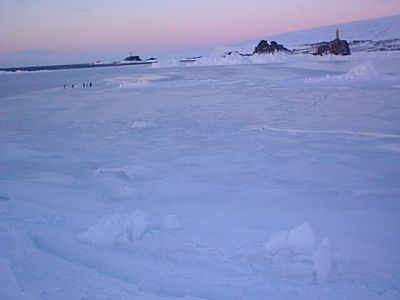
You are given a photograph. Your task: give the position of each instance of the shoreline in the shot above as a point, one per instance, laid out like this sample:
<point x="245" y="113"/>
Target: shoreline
<point x="70" y="66"/>
<point x="81" y="66"/>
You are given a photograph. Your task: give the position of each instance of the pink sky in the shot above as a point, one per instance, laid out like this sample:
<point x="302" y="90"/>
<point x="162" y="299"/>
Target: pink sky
<point x="165" y="25"/>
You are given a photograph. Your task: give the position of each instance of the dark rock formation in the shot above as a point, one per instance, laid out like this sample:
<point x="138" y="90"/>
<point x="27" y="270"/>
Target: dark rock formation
<point x="132" y="58"/>
<point x="336" y="47"/>
<point x="264" y="47"/>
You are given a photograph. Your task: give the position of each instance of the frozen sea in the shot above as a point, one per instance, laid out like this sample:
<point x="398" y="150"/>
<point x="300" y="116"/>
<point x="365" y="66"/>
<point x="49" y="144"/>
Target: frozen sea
<point x="271" y="180"/>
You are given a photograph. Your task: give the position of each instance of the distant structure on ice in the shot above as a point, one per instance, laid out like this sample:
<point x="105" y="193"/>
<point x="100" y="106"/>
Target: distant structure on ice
<point x="132" y="58"/>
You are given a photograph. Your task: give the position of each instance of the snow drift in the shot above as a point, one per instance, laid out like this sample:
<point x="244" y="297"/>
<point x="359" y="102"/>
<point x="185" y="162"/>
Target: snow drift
<point x="120" y="229"/>
<point x="117" y="229"/>
<point x="135" y="84"/>
<point x="363" y="71"/>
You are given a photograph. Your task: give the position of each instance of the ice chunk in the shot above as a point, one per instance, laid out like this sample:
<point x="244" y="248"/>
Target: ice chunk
<point x="363" y="70"/>
<point x="301" y="239"/>
<point x="135" y="84"/>
<point x="296" y="251"/>
<point x="322" y="259"/>
<point x="142" y="124"/>
<point x="170" y="222"/>
<point x="276" y="242"/>
<point x="117" y="228"/>
<point x="138" y="223"/>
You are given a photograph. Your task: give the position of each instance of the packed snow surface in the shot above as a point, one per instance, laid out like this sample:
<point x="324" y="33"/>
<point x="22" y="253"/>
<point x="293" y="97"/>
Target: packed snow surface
<point x="277" y="177"/>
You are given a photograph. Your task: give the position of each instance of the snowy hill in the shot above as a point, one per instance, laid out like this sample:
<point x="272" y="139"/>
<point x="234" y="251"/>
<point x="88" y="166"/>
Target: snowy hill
<point x="385" y="28"/>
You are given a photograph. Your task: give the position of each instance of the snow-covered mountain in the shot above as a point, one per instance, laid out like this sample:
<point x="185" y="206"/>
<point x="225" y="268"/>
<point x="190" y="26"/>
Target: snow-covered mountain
<point x="379" y="29"/>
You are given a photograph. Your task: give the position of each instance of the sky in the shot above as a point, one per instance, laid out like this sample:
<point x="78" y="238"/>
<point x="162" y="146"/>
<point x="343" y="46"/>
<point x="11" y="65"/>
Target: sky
<point x="34" y="32"/>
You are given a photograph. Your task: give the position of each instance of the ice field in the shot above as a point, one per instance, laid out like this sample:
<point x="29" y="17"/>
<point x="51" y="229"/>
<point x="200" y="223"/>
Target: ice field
<point x="272" y="179"/>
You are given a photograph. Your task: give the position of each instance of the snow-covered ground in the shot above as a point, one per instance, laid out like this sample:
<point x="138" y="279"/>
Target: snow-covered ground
<point x="266" y="177"/>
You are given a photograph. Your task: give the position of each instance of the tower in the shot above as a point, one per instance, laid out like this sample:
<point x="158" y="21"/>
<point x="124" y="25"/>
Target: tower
<point x="337" y="34"/>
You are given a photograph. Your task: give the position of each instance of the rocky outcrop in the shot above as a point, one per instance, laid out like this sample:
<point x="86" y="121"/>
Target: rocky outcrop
<point x="263" y="47"/>
<point x="335" y="47"/>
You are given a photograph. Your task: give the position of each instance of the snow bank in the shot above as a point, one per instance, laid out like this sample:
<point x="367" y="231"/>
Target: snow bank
<point x="297" y="249"/>
<point x="135" y="84"/>
<point x="117" y="229"/>
<point x="235" y="58"/>
<point x="167" y="63"/>
<point x="274" y="58"/>
<point x="216" y="60"/>
<point x="363" y="71"/>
